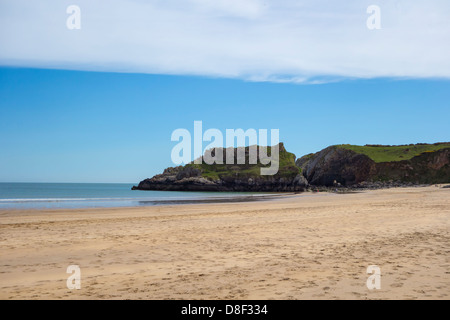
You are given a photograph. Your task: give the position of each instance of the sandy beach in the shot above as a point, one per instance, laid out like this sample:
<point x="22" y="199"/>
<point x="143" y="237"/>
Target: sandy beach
<point x="306" y="246"/>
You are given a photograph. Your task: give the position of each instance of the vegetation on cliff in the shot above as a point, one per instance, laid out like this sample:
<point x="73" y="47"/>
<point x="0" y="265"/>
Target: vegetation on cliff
<point x="382" y="153"/>
<point x="286" y="167"/>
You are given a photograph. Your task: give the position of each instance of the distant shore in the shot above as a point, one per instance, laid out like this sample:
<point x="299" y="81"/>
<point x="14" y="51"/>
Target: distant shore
<point x="314" y="245"/>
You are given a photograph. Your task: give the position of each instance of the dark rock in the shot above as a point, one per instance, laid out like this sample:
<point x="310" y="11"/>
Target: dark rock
<point x="335" y="165"/>
<point x="188" y="172"/>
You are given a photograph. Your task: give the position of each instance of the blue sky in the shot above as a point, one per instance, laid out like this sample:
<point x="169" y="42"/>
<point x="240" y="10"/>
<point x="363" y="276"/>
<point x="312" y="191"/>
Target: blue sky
<point x="71" y="126"/>
<point x="99" y="103"/>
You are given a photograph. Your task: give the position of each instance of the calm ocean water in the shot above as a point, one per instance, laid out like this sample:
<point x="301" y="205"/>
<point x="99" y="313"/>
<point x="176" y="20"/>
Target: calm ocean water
<point x="92" y="195"/>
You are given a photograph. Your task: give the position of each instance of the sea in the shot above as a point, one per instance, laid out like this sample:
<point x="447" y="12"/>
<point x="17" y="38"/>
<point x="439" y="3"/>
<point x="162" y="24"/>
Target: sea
<point x="104" y="195"/>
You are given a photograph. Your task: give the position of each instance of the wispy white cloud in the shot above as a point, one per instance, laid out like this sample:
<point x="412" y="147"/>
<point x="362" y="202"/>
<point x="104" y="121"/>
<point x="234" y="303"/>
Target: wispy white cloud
<point x="299" y="41"/>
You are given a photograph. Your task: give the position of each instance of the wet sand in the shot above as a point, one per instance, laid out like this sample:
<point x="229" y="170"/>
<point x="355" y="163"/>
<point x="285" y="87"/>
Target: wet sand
<point x="307" y="246"/>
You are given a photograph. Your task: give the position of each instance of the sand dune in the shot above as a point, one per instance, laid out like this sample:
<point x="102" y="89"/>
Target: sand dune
<point x="308" y="246"/>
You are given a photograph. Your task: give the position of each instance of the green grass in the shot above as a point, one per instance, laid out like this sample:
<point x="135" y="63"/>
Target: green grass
<point x="287" y="168"/>
<point x="394" y="153"/>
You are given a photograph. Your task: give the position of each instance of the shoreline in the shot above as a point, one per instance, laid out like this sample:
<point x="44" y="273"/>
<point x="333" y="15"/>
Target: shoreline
<point x="254" y="197"/>
<point x="176" y="202"/>
<point x="316" y="246"/>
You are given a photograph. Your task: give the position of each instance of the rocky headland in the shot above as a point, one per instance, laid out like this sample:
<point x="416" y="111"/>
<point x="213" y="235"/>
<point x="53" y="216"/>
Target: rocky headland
<point x="335" y="167"/>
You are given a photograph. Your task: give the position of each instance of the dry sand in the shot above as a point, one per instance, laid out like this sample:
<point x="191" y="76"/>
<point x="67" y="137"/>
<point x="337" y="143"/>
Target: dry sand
<point x="309" y="246"/>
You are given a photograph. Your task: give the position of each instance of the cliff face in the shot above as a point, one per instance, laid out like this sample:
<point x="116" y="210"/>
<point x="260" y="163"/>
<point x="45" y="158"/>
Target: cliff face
<point x="335" y="164"/>
<point x="223" y="177"/>
<point x="427" y="168"/>
<point x="350" y="168"/>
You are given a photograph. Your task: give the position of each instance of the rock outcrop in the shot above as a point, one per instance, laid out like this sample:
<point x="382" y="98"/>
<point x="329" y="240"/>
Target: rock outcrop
<point x="234" y="177"/>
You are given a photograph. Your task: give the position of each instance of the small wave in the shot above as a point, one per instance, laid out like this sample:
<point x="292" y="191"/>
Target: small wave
<point x="201" y="198"/>
<point x="36" y="203"/>
<point x="67" y="199"/>
<point x="97" y="199"/>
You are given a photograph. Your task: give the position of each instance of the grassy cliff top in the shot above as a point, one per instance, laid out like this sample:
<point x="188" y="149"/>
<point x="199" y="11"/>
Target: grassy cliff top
<point x="379" y="153"/>
<point x="287" y="167"/>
